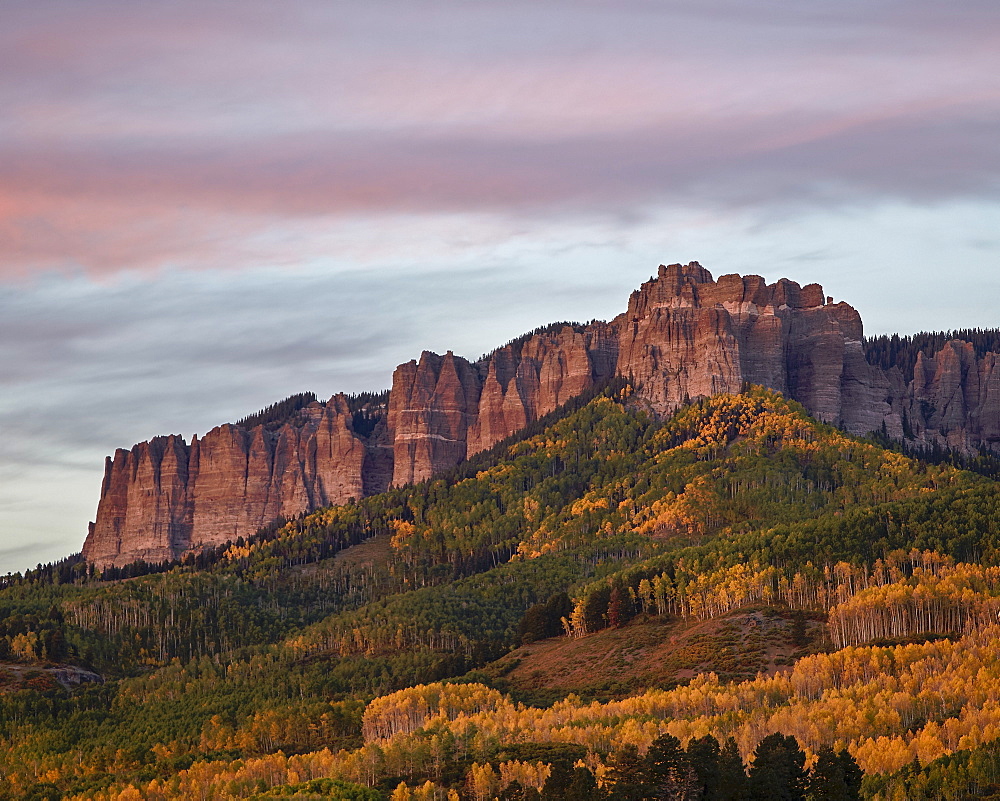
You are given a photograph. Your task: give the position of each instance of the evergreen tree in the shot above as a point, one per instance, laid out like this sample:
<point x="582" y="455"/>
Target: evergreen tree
<point x="853" y="775"/>
<point x="703" y="754"/>
<point x="835" y="776"/>
<point x="569" y="784"/>
<point x="627" y="775"/>
<point x="596" y="607"/>
<point x="515" y="791"/>
<point x="669" y="773"/>
<point x="733" y="783"/>
<point x="826" y="779"/>
<point x="777" y="772"/>
<point x="558" y="782"/>
<point x="545" y="619"/>
<point x="583" y="786"/>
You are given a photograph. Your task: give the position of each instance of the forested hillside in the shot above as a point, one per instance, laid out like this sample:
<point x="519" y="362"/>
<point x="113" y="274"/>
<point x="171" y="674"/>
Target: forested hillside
<point x="364" y="651"/>
<point x="892" y="350"/>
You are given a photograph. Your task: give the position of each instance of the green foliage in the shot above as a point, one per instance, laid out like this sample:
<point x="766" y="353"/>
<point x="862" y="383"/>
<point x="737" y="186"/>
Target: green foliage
<point x="888" y="351"/>
<point x="544" y="620"/>
<point x="733" y="783"/>
<point x="333" y="789"/>
<point x="277" y="414"/>
<point x="835" y="776"/>
<point x="569" y="784"/>
<point x="275" y="642"/>
<point x="968" y="773"/>
<point x="668" y="770"/>
<point x="368" y="409"/>
<point x="703" y="755"/>
<point x="777" y="771"/>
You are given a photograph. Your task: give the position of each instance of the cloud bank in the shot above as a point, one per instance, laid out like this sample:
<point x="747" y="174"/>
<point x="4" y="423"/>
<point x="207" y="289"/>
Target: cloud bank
<point x="205" y="207"/>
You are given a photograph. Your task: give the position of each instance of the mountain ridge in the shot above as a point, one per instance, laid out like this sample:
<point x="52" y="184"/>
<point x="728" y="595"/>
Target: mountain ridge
<point x="683" y="335"/>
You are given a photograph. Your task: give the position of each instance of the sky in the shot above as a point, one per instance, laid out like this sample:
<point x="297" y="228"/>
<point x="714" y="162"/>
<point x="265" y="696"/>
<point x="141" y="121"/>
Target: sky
<point x="208" y="206"/>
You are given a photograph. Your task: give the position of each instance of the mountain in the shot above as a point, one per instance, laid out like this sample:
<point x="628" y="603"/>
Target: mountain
<point x="683" y="335"/>
<point x="604" y="588"/>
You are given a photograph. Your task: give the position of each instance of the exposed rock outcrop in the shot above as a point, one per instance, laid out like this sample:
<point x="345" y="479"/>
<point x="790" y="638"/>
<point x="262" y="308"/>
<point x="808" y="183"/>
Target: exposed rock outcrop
<point x="683" y="335"/>
<point x="954" y="398"/>
<point x="164" y="497"/>
<point x="443" y="409"/>
<point x="430" y="407"/>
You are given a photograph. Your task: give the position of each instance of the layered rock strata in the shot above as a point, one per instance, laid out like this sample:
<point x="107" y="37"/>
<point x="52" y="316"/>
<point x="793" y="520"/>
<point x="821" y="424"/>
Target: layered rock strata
<point x="445" y="408"/>
<point x="954" y="398"/>
<point x="684" y="335"/>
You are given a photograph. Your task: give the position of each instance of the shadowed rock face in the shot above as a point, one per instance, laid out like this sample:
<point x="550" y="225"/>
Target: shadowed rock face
<point x="683" y="335"/>
<point x="954" y="398"/>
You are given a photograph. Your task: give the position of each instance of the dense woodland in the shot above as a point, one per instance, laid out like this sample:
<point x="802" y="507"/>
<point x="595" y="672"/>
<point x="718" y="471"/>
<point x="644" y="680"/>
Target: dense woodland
<point x="353" y="652"/>
<point x="275" y="415"/>
<point x="892" y="350"/>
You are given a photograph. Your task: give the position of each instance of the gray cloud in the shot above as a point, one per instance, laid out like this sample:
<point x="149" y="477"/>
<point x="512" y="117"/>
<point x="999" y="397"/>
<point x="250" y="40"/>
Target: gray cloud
<point x="207" y="207"/>
<point x="178" y="204"/>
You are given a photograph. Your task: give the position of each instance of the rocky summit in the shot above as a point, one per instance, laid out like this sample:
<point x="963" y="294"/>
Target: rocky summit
<point x="683" y="336"/>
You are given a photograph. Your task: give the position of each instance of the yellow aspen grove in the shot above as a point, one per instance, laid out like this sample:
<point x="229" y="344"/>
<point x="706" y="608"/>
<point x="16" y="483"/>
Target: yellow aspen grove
<point x="482" y="781"/>
<point x="408" y="710"/>
<point x="527" y="773"/>
<point x="938" y="599"/>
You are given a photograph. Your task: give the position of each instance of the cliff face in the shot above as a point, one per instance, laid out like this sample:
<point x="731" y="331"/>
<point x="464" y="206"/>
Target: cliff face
<point x="683" y="335"/>
<point x="954" y="398"/>
<point x="164" y="497"/>
<point x="430" y="407"/>
<point x="445" y="408"/>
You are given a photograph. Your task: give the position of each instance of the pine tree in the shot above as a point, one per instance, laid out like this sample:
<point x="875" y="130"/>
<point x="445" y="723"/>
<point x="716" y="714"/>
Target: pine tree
<point x="669" y="771"/>
<point x="777" y="772"/>
<point x="853" y="774"/>
<point x="826" y="779"/>
<point x="627" y="775"/>
<point x="703" y="754"/>
<point x="733" y="783"/>
<point x="583" y="786"/>
<point x="515" y="791"/>
<point x="557" y="786"/>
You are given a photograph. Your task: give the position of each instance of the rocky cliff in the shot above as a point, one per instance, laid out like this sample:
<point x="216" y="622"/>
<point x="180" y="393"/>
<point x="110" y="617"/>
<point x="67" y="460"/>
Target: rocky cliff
<point x="953" y="399"/>
<point x="445" y="408"/>
<point x="164" y="497"/>
<point x="685" y="335"/>
<point x="682" y="336"/>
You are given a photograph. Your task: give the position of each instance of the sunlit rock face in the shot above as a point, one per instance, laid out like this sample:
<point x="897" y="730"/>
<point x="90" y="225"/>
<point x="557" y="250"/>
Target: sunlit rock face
<point x="684" y="335"/>
<point x="164" y="497"/>
<point x="443" y="409"/>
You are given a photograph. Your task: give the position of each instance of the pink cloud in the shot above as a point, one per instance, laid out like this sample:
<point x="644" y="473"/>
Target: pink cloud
<point x="139" y="135"/>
